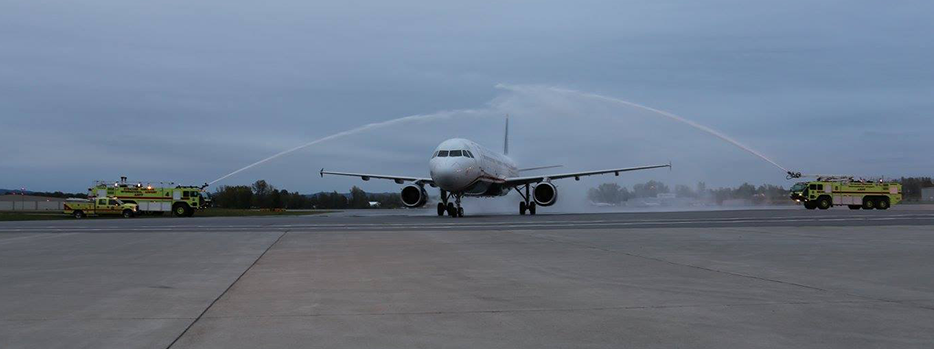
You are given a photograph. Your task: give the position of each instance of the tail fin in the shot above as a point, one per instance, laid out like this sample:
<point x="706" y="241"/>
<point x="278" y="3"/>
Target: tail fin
<point x="506" y="138"/>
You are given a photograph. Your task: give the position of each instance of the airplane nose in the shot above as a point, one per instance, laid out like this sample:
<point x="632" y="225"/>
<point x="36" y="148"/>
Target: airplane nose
<point x="446" y="177"/>
<point x="450" y="175"/>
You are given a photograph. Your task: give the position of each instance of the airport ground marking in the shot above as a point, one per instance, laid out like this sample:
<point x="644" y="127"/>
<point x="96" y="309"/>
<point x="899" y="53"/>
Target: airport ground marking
<point x="206" y="309"/>
<point x="535" y="310"/>
<point x="461" y="225"/>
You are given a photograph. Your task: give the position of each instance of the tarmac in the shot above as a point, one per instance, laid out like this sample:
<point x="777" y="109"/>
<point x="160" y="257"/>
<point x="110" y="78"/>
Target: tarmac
<point x="407" y="279"/>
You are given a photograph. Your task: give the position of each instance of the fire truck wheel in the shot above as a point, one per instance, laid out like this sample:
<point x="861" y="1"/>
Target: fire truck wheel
<point x="882" y="204"/>
<point x="189" y="211"/>
<point x="127" y="213"/>
<point x="180" y="210"/>
<point x="854" y="207"/>
<point x="823" y="202"/>
<point x="868" y="203"/>
<point x="78" y="214"/>
<point x="810" y="205"/>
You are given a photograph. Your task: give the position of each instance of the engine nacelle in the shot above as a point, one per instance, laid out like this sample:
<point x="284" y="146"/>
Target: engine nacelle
<point x="414" y="196"/>
<point x="545" y="194"/>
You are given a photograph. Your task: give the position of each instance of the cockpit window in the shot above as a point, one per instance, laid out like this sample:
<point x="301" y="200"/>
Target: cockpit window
<point x="468" y="154"/>
<point x="455" y="153"/>
<point x="442" y="153"/>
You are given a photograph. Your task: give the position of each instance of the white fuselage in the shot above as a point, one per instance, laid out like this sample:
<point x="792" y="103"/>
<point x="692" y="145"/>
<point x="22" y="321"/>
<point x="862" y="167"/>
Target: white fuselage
<point x="471" y="169"/>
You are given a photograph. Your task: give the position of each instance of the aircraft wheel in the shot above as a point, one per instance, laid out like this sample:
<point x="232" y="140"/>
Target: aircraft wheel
<point x="460" y="211"/>
<point x="441" y="209"/>
<point x="452" y="211"/>
<point x="882" y="204"/>
<point x="522" y="208"/>
<point x="532" y="208"/>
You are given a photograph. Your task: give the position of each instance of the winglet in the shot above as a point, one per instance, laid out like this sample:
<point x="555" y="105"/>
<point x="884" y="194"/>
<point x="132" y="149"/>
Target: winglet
<point x="322" y="172"/>
<point x="669" y="165"/>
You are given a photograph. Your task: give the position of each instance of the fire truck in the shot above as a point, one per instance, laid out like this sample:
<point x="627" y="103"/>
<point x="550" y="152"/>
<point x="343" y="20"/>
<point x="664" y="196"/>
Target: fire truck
<point x="100" y="206"/>
<point x="826" y="192"/>
<point x="182" y="201"/>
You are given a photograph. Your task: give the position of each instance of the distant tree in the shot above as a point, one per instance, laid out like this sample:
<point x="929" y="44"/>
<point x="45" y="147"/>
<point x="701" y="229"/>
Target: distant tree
<point x="683" y="191"/>
<point x="358" y="198"/>
<point x="295" y="200"/>
<point x="275" y="199"/>
<point x="232" y="196"/>
<point x="701" y="189"/>
<point x="387" y="200"/>
<point x="337" y="201"/>
<point x="911" y="187"/>
<point x="649" y="189"/>
<point x="262" y="192"/>
<point x="745" y="191"/>
<point x="244" y="197"/>
<point x="609" y="193"/>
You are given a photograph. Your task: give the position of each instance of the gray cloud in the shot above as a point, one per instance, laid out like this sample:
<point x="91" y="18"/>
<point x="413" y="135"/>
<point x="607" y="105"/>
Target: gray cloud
<point x="189" y="91"/>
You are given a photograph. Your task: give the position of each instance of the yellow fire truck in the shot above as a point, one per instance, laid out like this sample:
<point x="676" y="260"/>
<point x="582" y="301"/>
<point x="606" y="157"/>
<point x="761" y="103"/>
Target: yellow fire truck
<point x="180" y="200"/>
<point x="826" y="192"/>
<point x="100" y="206"/>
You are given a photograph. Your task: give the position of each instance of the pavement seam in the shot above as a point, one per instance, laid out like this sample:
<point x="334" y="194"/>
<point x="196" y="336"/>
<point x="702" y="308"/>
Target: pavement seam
<point x="532" y="310"/>
<point x="180" y="335"/>
<point x="98" y="318"/>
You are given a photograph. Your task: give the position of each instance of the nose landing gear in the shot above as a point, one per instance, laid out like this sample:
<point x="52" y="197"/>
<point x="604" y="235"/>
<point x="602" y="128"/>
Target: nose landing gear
<point x="453" y="209"/>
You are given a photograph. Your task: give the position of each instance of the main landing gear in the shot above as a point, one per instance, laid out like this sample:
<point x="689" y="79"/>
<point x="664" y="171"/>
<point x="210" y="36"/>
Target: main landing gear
<point x="453" y="209"/>
<point x="527" y="204"/>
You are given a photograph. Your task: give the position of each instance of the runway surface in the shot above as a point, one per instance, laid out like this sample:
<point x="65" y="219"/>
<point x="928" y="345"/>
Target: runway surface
<point x="403" y="279"/>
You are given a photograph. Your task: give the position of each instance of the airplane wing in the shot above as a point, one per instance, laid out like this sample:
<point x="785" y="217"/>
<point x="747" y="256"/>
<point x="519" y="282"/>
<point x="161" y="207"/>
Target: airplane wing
<point x="516" y="181"/>
<point x="366" y="177"/>
<point x="539" y="168"/>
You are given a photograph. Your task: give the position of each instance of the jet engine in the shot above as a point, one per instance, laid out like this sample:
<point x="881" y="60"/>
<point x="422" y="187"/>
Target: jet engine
<point x="414" y="196"/>
<point x="545" y="194"/>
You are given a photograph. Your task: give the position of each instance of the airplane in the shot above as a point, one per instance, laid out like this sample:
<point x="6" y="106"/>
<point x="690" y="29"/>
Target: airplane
<point x="460" y="167"/>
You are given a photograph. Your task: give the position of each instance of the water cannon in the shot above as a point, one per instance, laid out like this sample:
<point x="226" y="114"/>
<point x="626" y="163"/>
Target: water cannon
<point x="204" y="186"/>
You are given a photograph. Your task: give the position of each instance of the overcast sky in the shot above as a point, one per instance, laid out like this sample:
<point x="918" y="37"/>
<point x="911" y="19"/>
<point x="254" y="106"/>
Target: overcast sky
<point x="188" y="91"/>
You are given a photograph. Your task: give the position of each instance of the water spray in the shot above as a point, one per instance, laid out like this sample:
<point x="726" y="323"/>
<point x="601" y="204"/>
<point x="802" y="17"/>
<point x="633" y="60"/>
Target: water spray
<point x="708" y="130"/>
<point x="441" y="115"/>
<point x="447" y="114"/>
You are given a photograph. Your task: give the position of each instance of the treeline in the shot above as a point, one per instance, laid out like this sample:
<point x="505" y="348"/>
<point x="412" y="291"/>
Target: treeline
<point x="264" y="195"/>
<point x="911" y="187"/>
<point x="612" y="193"/>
